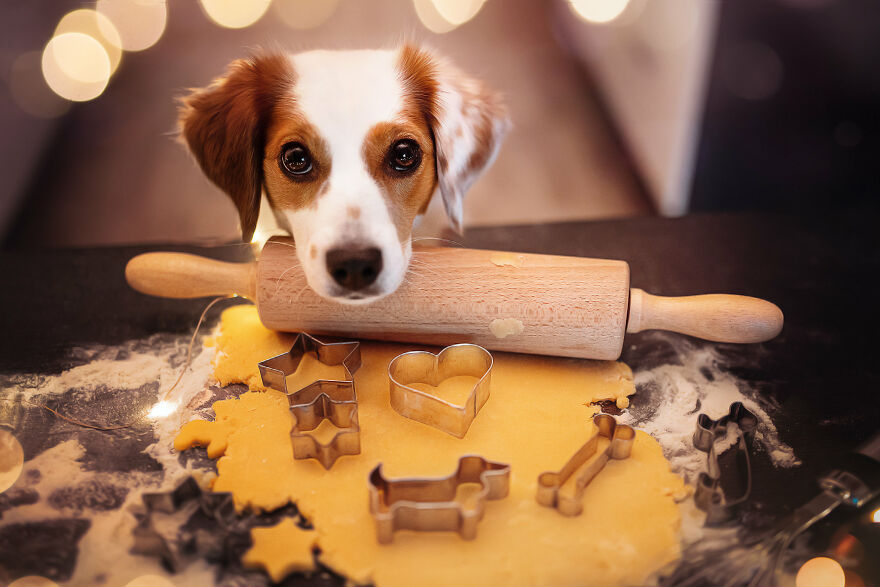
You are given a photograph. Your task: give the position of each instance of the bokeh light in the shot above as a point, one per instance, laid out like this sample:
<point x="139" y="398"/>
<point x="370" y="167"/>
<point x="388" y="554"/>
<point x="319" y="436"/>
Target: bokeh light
<point x="235" y="14"/>
<point x="140" y="23"/>
<point x="11" y="459"/>
<point x="433" y="20"/>
<point x="820" y="572"/>
<point x="150" y="581"/>
<point x="304" y="14"/>
<point x="29" y="90"/>
<point x="875" y="517"/>
<point x="76" y="66"/>
<point x="97" y="26"/>
<point x="457" y="12"/>
<point x="751" y="70"/>
<point x="598" y="11"/>
<point x="33" y="581"/>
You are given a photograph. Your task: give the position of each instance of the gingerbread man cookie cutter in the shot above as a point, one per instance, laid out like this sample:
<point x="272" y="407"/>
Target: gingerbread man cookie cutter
<point x="550" y="484"/>
<point x="330" y="399"/>
<point x="431" y="505"/>
<point x="425" y="367"/>
<point x="710" y="494"/>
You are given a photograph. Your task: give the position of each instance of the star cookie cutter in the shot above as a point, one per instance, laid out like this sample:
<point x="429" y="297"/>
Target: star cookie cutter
<point x="710" y="494"/>
<point x="329" y="399"/>
<point x="549" y="495"/>
<point x="425" y="367"/>
<point x="428" y="505"/>
<point x="216" y="506"/>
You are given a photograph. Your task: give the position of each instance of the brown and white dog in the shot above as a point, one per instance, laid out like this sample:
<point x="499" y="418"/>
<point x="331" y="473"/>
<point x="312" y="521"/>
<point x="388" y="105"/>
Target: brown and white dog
<point x="349" y="147"/>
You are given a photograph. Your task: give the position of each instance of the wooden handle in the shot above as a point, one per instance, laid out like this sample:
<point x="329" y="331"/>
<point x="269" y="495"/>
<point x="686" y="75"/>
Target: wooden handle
<point x="717" y="317"/>
<point x="178" y="275"/>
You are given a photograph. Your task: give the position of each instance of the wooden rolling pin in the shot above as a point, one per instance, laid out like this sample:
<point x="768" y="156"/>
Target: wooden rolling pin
<point x="541" y="304"/>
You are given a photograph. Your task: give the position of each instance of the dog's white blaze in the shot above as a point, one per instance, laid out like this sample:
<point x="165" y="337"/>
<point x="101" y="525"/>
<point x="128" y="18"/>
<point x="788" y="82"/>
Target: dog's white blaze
<point x="344" y="94"/>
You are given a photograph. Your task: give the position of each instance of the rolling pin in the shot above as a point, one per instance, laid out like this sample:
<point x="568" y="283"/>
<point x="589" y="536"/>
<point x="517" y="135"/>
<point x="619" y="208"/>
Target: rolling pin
<point x="539" y="304"/>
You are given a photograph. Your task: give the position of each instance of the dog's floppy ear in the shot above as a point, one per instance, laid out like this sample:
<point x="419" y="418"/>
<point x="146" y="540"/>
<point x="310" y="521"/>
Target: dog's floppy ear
<point x="467" y="119"/>
<point x="225" y="124"/>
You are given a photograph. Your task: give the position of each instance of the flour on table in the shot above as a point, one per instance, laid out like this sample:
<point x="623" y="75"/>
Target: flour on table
<point x="679" y="393"/>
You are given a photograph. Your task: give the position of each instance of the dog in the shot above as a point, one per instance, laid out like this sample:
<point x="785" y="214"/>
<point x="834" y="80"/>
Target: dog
<point x="349" y="147"/>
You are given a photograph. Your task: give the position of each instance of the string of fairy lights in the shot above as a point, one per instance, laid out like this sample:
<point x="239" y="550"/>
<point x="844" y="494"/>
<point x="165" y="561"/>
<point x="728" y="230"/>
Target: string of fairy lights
<point x="88" y="44"/>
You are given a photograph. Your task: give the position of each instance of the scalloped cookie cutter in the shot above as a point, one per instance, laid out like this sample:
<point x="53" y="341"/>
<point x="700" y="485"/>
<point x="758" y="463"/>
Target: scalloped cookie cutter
<point x="425" y="367"/>
<point x="428" y="505"/>
<point x="329" y="399"/>
<point x="709" y="494"/>
<point x="549" y="495"/>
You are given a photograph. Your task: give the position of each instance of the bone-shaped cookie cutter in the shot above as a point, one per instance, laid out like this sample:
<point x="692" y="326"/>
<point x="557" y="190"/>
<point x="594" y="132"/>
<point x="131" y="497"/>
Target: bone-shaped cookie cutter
<point x="425" y="367"/>
<point x="550" y="483"/>
<point x="330" y="399"/>
<point x="710" y="495"/>
<point x="431" y="505"/>
<point x="148" y="541"/>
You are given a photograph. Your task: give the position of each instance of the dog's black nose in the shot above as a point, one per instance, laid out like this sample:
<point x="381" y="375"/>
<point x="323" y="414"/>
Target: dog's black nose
<point x="354" y="269"/>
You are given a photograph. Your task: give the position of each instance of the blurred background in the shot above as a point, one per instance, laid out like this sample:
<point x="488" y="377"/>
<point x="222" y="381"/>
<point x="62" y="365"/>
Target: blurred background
<point x="621" y="107"/>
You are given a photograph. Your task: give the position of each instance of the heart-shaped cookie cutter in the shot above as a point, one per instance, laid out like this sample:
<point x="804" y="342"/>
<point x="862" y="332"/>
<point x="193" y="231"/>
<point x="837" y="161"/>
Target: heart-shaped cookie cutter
<point x="430" y="504"/>
<point x="425" y="367"/>
<point x="329" y="399"/>
<point x="622" y="438"/>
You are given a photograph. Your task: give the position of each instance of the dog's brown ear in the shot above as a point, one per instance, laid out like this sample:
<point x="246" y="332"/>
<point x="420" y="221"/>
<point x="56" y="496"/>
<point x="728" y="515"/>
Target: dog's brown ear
<point x="225" y="124"/>
<point x="468" y="121"/>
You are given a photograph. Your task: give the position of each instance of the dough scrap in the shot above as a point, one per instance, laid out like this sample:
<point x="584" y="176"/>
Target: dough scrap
<point x="281" y="550"/>
<point x="537" y="416"/>
<point x="504" y="327"/>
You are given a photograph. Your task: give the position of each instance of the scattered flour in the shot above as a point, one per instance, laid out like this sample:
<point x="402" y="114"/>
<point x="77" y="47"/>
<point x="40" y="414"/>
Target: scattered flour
<point x="679" y="393"/>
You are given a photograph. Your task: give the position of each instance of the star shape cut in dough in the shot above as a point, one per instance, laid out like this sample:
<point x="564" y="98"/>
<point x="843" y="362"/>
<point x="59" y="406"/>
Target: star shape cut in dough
<point x="282" y="549"/>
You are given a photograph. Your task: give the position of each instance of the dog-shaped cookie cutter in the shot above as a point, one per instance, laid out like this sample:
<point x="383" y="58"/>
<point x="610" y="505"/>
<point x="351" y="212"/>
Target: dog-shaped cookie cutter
<point x="549" y="495"/>
<point x="430" y="504"/>
<point x="425" y="367"/>
<point x="709" y="494"/>
<point x="330" y="399"/>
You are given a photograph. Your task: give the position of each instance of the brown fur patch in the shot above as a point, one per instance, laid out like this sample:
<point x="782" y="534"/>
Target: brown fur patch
<point x="353" y="212"/>
<point x="225" y="127"/>
<point x="285" y="192"/>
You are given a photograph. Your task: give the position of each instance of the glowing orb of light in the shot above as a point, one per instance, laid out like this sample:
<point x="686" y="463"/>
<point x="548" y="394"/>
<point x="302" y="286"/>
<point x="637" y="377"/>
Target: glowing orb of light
<point x="162" y="409"/>
<point x="235" y="14"/>
<point x="430" y="18"/>
<point x="820" y="572"/>
<point x="11" y="459"/>
<point x="457" y="12"/>
<point x="598" y="11"/>
<point x="140" y="23"/>
<point x="97" y="26"/>
<point x="33" y="581"/>
<point x="304" y="14"/>
<point x="76" y="66"/>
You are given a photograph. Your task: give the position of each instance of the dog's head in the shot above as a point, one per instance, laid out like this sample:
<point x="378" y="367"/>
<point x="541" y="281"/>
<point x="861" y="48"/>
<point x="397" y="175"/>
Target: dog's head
<point x="349" y="147"/>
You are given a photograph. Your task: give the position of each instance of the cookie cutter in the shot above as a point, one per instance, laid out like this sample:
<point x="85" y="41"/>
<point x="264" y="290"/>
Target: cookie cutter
<point x="425" y="367"/>
<point x="430" y="504"/>
<point x="709" y="494"/>
<point x="329" y="399"/>
<point x="550" y="484"/>
<point x="216" y="506"/>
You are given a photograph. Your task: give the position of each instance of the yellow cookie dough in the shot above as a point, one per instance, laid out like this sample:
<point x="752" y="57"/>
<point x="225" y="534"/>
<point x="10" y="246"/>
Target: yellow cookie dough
<point x="538" y="414"/>
<point x="281" y="550"/>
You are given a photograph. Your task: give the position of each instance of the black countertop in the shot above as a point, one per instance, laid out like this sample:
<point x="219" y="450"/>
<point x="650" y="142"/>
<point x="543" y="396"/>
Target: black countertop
<point x="821" y="373"/>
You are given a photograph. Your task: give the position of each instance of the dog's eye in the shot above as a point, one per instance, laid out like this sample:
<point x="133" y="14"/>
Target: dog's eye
<point x="404" y="155"/>
<point x="295" y="159"/>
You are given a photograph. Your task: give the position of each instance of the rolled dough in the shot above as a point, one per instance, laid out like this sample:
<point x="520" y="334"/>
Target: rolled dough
<point x="538" y="414"/>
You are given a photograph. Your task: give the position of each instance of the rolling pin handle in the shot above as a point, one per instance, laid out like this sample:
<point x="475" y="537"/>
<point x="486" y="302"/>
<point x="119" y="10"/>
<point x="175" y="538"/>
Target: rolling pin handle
<point x="715" y="317"/>
<point x="179" y="275"/>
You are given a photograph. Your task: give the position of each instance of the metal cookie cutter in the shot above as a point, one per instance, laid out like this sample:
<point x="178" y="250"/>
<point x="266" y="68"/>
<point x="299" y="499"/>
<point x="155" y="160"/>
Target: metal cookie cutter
<point x="334" y="400"/>
<point x="710" y="495"/>
<point x="218" y="507"/>
<point x="430" y="504"/>
<point x="550" y="483"/>
<point x="425" y="367"/>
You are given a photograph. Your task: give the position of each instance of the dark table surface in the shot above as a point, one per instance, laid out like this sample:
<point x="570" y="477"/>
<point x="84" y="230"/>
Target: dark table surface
<point x="821" y="372"/>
